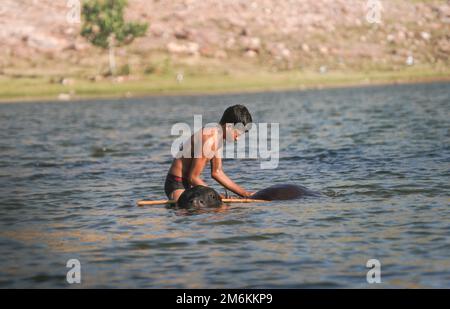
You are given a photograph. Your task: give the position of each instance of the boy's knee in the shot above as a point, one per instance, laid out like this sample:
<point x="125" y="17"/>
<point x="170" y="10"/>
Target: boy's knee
<point x="175" y="195"/>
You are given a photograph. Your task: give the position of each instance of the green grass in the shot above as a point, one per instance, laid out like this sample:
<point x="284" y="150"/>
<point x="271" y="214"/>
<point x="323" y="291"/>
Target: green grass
<point x="37" y="88"/>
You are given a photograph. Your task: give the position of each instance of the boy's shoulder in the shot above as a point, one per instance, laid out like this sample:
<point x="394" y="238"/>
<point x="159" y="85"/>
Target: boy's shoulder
<point x="211" y="141"/>
<point x="210" y="132"/>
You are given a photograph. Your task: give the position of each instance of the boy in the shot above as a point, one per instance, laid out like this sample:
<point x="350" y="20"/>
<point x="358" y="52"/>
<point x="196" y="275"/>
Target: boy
<point x="185" y="171"/>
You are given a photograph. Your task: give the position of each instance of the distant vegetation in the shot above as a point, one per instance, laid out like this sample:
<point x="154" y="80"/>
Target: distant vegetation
<point x="104" y="26"/>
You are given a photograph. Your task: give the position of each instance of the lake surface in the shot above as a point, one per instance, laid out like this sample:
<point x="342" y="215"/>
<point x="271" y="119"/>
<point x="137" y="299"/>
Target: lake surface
<point x="71" y="173"/>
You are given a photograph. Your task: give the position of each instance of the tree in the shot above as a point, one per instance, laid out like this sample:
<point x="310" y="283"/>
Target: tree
<point x="105" y="27"/>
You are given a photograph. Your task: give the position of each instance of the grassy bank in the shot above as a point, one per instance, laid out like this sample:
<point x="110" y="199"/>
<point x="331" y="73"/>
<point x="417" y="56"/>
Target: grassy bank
<point x="23" y="89"/>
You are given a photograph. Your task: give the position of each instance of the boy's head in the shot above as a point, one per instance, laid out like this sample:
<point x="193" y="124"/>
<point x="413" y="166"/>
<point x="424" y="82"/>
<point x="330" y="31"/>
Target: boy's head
<point x="240" y="117"/>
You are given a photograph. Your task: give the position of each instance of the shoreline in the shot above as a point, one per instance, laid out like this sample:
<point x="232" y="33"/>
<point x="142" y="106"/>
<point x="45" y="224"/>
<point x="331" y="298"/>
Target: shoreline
<point x="261" y="86"/>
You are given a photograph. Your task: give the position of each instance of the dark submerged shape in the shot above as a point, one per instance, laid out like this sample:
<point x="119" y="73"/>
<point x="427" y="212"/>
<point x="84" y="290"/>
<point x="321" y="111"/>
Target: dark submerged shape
<point x="199" y="196"/>
<point x="283" y="192"/>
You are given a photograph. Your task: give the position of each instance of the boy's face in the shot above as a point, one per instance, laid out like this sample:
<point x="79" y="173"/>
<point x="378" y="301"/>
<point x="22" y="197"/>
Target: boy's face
<point x="233" y="134"/>
<point x="237" y="133"/>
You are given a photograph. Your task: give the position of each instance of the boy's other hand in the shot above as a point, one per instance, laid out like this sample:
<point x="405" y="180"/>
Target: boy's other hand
<point x="248" y="194"/>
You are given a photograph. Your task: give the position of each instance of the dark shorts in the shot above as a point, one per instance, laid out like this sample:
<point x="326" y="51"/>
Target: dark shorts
<point x="175" y="183"/>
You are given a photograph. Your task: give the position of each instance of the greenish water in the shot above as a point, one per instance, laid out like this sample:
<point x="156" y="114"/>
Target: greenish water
<point x="70" y="175"/>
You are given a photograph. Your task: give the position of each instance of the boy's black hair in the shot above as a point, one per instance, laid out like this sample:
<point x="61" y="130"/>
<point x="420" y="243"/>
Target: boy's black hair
<point x="237" y="114"/>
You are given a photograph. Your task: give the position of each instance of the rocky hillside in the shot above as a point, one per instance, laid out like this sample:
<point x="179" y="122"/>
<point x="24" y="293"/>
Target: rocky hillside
<point x="275" y="35"/>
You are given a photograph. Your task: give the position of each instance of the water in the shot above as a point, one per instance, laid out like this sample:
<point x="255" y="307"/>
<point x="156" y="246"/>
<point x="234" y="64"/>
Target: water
<point x="70" y="174"/>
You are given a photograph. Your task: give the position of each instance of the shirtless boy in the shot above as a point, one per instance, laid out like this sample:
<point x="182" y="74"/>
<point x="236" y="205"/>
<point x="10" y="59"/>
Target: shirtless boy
<point x="185" y="170"/>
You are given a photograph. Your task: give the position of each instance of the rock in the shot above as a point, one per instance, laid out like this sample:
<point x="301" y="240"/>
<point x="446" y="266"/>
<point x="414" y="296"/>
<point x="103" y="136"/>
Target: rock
<point x="77" y="46"/>
<point x="286" y="53"/>
<point x="445" y="20"/>
<point x="250" y="54"/>
<point x="251" y="43"/>
<point x="444" y="45"/>
<point x="190" y="48"/>
<point x="425" y="35"/>
<point x="207" y="51"/>
<point x="243" y="32"/>
<point x="280" y="51"/>
<point x="69" y="31"/>
<point x="444" y="11"/>
<point x="305" y="48"/>
<point x="390" y="38"/>
<point x="67" y="81"/>
<point x="410" y="60"/>
<point x="181" y="34"/>
<point x="401" y="36"/>
<point x="119" y="79"/>
<point x="180" y="77"/>
<point x="157" y="30"/>
<point x="64" y="97"/>
<point x="230" y="43"/>
<point x="323" y="50"/>
<point x="45" y="42"/>
<point x="237" y="22"/>
<point x="96" y="78"/>
<point x="220" y="54"/>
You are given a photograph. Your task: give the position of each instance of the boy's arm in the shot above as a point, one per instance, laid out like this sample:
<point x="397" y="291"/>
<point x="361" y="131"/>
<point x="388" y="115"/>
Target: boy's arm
<point x="219" y="175"/>
<point x="197" y="166"/>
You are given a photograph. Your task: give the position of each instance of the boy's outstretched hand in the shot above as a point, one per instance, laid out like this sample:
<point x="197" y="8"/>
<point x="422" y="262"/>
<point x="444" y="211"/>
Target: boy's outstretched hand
<point x="247" y="195"/>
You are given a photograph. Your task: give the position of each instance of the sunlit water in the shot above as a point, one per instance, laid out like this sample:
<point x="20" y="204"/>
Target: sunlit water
<point x="70" y="174"/>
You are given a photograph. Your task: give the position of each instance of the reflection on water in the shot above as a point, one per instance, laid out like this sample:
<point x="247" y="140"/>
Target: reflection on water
<point x="198" y="211"/>
<point x="70" y="175"/>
